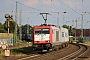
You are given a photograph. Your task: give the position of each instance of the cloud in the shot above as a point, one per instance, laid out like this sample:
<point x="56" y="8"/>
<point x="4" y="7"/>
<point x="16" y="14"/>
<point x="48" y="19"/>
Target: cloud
<point x="49" y="2"/>
<point x="10" y="1"/>
<point x="46" y="2"/>
<point x="6" y="3"/>
<point x="69" y="3"/>
<point x="72" y="4"/>
<point x="36" y="2"/>
<point x="31" y="2"/>
<point x="78" y="4"/>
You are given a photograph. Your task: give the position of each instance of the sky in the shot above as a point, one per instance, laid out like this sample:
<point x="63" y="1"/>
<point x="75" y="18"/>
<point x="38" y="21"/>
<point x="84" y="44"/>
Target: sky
<point x="31" y="10"/>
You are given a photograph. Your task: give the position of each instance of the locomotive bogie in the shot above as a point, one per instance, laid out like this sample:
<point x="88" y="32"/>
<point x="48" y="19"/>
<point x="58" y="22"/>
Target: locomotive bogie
<point x="42" y="47"/>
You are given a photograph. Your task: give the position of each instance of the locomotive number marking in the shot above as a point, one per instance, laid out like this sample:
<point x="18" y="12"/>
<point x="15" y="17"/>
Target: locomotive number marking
<point x="42" y="38"/>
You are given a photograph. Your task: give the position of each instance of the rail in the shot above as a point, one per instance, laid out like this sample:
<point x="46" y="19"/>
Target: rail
<point x="73" y="56"/>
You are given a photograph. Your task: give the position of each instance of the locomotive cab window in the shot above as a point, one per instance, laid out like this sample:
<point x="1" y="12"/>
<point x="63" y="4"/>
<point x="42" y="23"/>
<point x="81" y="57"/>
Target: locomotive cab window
<point x="45" y="31"/>
<point x="38" y="31"/>
<point x="42" y="31"/>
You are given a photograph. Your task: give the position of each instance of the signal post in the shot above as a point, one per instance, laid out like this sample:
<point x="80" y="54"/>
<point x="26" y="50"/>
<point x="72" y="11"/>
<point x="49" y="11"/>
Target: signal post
<point x="6" y="49"/>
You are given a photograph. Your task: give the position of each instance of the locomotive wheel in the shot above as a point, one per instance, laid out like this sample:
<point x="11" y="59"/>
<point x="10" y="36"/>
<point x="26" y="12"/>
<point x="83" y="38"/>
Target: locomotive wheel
<point x="66" y="44"/>
<point x="60" y="47"/>
<point x="56" y="48"/>
<point x="63" y="46"/>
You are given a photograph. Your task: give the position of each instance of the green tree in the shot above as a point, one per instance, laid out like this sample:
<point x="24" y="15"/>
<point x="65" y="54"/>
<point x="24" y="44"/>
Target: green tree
<point x="65" y="26"/>
<point x="26" y="28"/>
<point x="2" y="30"/>
<point x="70" y="29"/>
<point x="12" y="26"/>
<point x="73" y="32"/>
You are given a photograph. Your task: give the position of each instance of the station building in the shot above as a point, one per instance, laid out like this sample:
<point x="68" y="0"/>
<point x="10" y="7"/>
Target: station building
<point x="86" y="34"/>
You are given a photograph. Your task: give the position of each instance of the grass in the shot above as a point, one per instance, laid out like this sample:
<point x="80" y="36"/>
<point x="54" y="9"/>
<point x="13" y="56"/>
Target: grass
<point x="1" y="54"/>
<point x="88" y="41"/>
<point x="1" y="58"/>
<point x="20" y="51"/>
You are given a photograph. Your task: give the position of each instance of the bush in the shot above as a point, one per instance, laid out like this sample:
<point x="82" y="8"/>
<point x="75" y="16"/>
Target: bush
<point x="80" y="39"/>
<point x="17" y="40"/>
<point x="71" y="40"/>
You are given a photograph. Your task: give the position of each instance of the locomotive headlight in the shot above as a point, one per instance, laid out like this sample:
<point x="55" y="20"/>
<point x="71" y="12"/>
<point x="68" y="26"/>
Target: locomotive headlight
<point x="48" y="41"/>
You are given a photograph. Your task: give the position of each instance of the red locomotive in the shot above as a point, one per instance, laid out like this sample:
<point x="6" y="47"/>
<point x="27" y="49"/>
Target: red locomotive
<point x="46" y="37"/>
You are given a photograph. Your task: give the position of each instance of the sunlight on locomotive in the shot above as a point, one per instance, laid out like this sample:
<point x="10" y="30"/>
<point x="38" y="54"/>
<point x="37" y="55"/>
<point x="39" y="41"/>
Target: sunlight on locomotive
<point x="42" y="34"/>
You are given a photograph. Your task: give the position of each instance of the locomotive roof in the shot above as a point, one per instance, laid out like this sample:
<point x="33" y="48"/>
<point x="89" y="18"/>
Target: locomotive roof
<point x="47" y="25"/>
<point x="53" y="26"/>
<point x="50" y="25"/>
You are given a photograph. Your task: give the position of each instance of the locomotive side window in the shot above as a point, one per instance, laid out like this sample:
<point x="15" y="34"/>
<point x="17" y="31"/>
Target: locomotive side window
<point x="62" y="34"/>
<point x="57" y="35"/>
<point x="65" y="34"/>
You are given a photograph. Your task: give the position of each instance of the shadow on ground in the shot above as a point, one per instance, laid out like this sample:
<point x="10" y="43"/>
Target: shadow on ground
<point x="24" y="50"/>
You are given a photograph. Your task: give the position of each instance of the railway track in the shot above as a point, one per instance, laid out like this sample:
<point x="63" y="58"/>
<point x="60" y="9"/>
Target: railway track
<point x="71" y="52"/>
<point x="77" y="55"/>
<point x="47" y="56"/>
<point x="41" y="55"/>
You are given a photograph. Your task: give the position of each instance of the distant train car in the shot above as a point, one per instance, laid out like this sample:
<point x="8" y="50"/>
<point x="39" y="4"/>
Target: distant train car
<point x="49" y="37"/>
<point x="26" y="37"/>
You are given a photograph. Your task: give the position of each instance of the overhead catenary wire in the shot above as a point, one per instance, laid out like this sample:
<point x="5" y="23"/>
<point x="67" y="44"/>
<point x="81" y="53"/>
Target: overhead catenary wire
<point x="41" y="11"/>
<point x="53" y="5"/>
<point x="69" y="7"/>
<point x="55" y="8"/>
<point x="31" y="8"/>
<point x="26" y="6"/>
<point x="53" y="16"/>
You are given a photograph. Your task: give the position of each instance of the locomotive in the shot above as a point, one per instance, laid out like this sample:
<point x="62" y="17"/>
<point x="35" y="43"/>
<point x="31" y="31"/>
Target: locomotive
<point x="46" y="37"/>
